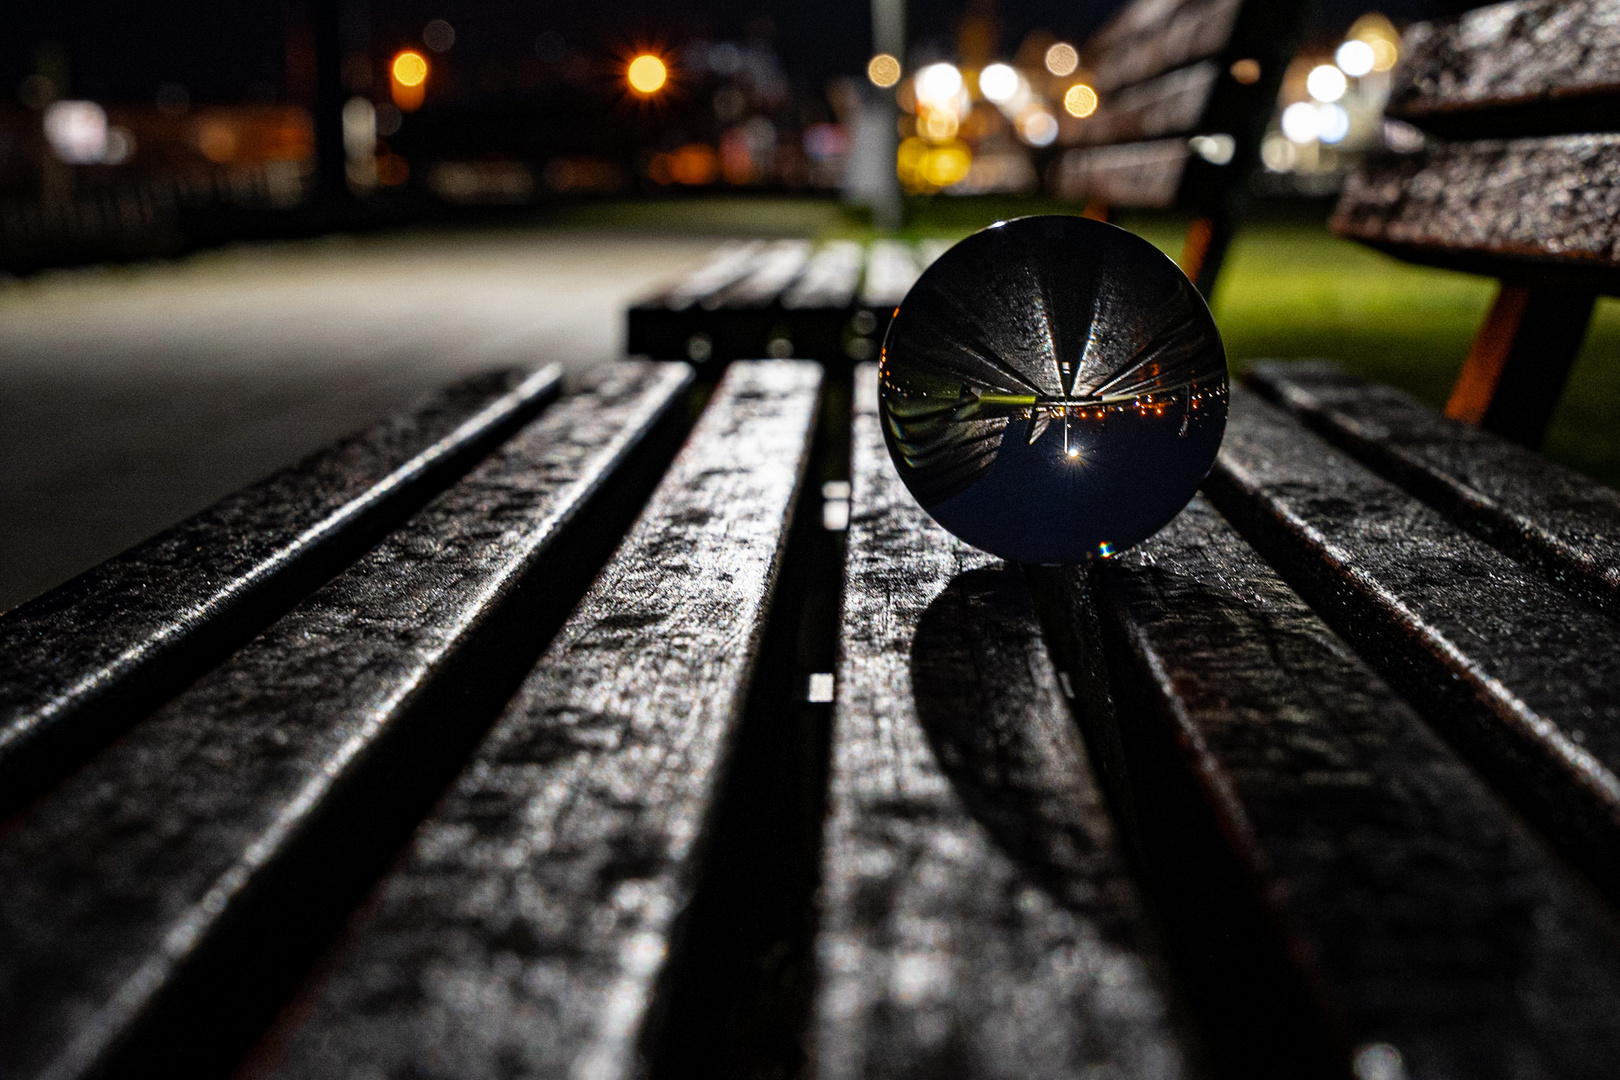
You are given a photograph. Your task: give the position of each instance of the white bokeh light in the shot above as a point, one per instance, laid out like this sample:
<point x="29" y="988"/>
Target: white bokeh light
<point x="998" y="83"/>
<point x="1326" y="83"/>
<point x="938" y="83"/>
<point x="1333" y="123"/>
<point x="76" y="131"/>
<point x="1355" y="58"/>
<point x="1301" y="123"/>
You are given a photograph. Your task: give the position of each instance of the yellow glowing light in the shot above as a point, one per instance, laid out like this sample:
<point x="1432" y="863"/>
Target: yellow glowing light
<point x="647" y="74"/>
<point x="410" y="68"/>
<point x="883" y="70"/>
<point x="1246" y="71"/>
<point x="1061" y="59"/>
<point x="1081" y="100"/>
<point x="938" y="125"/>
<point x="1385" y="54"/>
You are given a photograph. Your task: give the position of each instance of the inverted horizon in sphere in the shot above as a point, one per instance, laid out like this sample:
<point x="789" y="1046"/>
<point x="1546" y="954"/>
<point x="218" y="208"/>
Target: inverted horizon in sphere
<point x="1053" y="389"/>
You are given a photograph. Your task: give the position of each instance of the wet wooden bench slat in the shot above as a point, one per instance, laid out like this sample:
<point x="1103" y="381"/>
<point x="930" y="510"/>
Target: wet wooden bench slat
<point x="1549" y="517"/>
<point x="1534" y="67"/>
<point x="525" y="928"/>
<point x="93" y="654"/>
<point x="1493" y="207"/>
<point x="156" y="886"/>
<point x="671" y="325"/>
<point x="1514" y="672"/>
<point x="977" y="917"/>
<point x="1413" y="909"/>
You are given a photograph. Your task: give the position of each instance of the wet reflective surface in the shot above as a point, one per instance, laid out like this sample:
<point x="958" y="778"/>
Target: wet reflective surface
<point x="1053" y="389"/>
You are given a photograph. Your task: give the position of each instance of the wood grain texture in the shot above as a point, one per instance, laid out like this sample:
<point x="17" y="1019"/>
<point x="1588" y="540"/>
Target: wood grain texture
<point x="1171" y="104"/>
<point x="1508" y="208"/>
<point x="1516" y="674"/>
<point x="524" y="930"/>
<point x="203" y="831"/>
<point x="1532" y="67"/>
<point x="1415" y="910"/>
<point x="1561" y="523"/>
<point x="1150" y="37"/>
<point x="830" y="279"/>
<point x="1145" y="174"/>
<point x="92" y="655"/>
<point x="977" y="919"/>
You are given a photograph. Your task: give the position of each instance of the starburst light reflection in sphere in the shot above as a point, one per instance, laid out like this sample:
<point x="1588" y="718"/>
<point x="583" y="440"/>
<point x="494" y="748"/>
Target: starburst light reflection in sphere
<point x="1053" y="389"/>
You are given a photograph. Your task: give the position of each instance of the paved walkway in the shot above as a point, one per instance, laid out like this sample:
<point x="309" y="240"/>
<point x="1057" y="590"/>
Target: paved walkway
<point x="131" y="397"/>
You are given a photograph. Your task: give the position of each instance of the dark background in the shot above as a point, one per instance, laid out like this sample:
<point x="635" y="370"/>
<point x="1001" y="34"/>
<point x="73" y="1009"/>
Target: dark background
<point x="237" y="51"/>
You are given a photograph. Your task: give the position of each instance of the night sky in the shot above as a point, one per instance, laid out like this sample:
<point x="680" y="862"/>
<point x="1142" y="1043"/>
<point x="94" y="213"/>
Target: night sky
<point x="237" y="51"/>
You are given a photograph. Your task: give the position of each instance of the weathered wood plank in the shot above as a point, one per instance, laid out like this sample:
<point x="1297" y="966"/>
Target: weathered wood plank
<point x="1533" y="67"/>
<point x="673" y="324"/>
<point x="1171" y="104"/>
<point x="1136" y="174"/>
<point x="977" y="917"/>
<point x="1416" y="912"/>
<point x="1549" y="517"/>
<point x="1519" y="676"/>
<point x="830" y="279"/>
<point x="1518" y="208"/>
<point x="143" y="901"/>
<point x="1150" y="37"/>
<point x="891" y="270"/>
<point x="525" y="928"/>
<point x="778" y="266"/>
<point x="93" y="655"/>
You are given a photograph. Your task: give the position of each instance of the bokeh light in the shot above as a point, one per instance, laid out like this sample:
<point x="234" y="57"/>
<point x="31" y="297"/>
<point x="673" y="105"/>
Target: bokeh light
<point x="647" y="74"/>
<point x="1355" y="58"/>
<point x="937" y="84"/>
<point x="410" y="68"/>
<point x="1332" y="123"/>
<point x="439" y="35"/>
<point x="1246" y="71"/>
<point x="998" y="83"/>
<point x="1326" y="83"/>
<point x="1300" y="122"/>
<point x="1062" y="59"/>
<point x="408" y="82"/>
<point x="1038" y="127"/>
<point x="883" y="70"/>
<point x="1080" y="100"/>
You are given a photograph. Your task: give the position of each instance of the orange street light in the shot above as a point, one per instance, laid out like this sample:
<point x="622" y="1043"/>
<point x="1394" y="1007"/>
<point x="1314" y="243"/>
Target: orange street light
<point x="647" y="74"/>
<point x="409" y="73"/>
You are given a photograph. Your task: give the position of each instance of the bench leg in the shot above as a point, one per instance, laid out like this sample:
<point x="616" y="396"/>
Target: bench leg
<point x="1205" y="249"/>
<point x="1518" y="364"/>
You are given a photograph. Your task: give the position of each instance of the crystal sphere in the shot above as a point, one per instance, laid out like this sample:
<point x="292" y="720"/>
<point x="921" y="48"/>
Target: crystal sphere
<point x="1053" y="389"/>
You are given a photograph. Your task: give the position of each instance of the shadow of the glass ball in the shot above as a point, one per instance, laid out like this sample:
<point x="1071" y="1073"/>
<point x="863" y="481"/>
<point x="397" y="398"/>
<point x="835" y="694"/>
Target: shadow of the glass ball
<point x="988" y="703"/>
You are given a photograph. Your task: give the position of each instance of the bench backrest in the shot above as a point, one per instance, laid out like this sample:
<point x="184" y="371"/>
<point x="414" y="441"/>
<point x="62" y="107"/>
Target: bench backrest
<point x="1518" y="178"/>
<point x="1185" y="90"/>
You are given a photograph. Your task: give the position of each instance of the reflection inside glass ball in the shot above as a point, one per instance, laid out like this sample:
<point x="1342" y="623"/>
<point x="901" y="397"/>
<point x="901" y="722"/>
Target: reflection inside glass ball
<point x="1053" y="389"/>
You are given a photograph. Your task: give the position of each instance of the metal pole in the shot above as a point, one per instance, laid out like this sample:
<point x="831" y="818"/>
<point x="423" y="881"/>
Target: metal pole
<point x="888" y="36"/>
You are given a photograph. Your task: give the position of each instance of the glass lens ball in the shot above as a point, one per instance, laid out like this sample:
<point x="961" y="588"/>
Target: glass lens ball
<point x="1053" y="389"/>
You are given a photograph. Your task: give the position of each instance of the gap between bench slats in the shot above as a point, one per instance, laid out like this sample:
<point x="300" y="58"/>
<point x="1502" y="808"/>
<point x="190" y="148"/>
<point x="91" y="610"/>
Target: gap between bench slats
<point x="977" y="916"/>
<point x="1415" y="911"/>
<point x="526" y="927"/>
<point x="1563" y="524"/>
<point x="149" y="904"/>
<point x="1515" y="673"/>
<point x="94" y="654"/>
